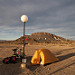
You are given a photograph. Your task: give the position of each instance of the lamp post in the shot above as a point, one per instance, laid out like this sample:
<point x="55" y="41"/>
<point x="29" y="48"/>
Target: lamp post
<point x="24" y="19"/>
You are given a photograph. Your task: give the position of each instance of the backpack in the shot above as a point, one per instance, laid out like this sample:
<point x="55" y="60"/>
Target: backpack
<point x="11" y="59"/>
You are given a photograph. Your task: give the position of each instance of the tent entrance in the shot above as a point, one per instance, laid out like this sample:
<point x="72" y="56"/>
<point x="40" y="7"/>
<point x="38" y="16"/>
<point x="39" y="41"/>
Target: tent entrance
<point x="41" y="58"/>
<point x="40" y="61"/>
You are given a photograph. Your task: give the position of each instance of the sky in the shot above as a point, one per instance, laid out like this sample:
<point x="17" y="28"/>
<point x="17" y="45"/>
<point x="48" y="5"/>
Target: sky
<point x="52" y="16"/>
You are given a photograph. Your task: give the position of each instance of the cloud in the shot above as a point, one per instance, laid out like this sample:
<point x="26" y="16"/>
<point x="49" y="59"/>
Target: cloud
<point x="54" y="16"/>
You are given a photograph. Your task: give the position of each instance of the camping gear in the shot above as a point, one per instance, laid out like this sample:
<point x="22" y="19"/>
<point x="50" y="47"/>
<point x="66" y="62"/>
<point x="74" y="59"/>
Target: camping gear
<point x="17" y="52"/>
<point x="43" y="56"/>
<point x="13" y="59"/>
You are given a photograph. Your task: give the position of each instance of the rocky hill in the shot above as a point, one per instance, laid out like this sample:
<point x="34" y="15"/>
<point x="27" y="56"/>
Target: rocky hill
<point x="42" y="37"/>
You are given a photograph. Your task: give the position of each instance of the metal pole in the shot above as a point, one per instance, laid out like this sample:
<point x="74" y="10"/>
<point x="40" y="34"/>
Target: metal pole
<point x="24" y="40"/>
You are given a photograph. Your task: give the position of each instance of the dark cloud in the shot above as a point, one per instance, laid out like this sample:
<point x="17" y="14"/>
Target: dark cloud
<point x="54" y="16"/>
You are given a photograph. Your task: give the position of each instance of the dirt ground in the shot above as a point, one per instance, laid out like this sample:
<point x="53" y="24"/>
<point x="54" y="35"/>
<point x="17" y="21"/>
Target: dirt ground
<point x="65" y="65"/>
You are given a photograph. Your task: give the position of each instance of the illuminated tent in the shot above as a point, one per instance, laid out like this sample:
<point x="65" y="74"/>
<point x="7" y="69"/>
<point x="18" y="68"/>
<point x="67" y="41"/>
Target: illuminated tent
<point x="43" y="56"/>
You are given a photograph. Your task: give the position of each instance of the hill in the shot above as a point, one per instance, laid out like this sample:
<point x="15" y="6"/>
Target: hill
<point x="43" y="37"/>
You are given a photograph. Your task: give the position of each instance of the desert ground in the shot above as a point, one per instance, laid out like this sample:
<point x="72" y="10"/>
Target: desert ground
<point x="65" y="65"/>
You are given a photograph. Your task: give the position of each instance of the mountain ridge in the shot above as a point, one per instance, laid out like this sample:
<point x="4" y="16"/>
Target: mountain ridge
<point x="43" y="37"/>
<point x="40" y="37"/>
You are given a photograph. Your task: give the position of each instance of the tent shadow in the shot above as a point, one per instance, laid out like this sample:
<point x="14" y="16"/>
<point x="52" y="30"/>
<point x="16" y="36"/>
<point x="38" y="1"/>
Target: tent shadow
<point x="29" y="64"/>
<point x="65" y="56"/>
<point x="10" y="69"/>
<point x="59" y="52"/>
<point x="62" y="68"/>
<point x="61" y="58"/>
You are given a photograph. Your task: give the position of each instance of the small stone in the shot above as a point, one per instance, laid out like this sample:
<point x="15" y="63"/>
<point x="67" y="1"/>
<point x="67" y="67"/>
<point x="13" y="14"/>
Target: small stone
<point x="23" y="65"/>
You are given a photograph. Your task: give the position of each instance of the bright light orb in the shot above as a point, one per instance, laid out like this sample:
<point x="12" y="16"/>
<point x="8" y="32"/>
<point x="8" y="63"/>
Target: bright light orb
<point x="24" y="18"/>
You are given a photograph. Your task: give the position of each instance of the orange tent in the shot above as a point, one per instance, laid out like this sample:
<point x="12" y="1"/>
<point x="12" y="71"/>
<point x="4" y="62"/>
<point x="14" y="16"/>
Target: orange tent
<point x="43" y="56"/>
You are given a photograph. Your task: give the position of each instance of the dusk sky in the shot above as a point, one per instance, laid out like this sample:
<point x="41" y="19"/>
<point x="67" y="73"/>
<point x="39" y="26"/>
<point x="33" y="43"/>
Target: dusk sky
<point x="52" y="16"/>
